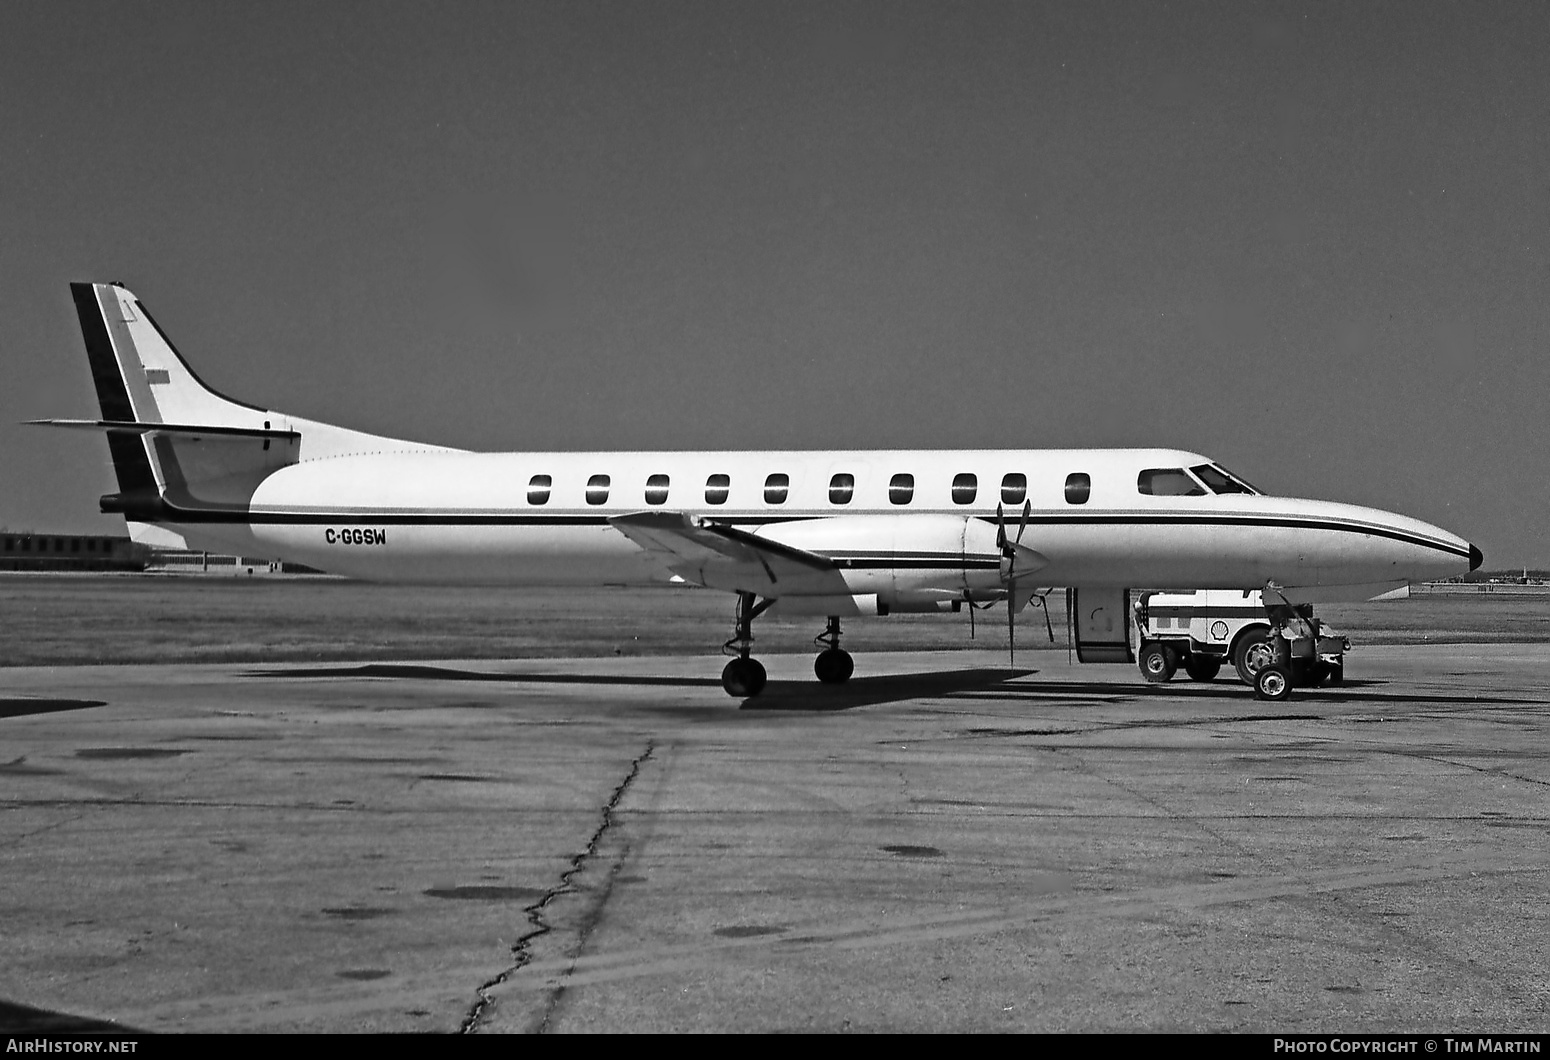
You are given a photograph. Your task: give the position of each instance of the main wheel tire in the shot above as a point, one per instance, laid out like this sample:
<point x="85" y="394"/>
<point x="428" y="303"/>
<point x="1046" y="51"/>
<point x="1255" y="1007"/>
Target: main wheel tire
<point x="1202" y="667"/>
<point x="1273" y="683"/>
<point x="743" y="678"/>
<point x="1252" y="653"/>
<point x="834" y="666"/>
<point x="1157" y="664"/>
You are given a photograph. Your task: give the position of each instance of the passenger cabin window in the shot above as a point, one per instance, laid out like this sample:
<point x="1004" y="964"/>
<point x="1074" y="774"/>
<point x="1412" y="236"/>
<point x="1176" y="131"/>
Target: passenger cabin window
<point x="965" y="487"/>
<point x="597" y="489"/>
<point x="1168" y="482"/>
<point x="1079" y="486"/>
<point x="901" y="489"/>
<point x="1014" y="488"/>
<point x="775" y="488"/>
<point x="656" y="489"/>
<point x="1221" y="480"/>
<point x="842" y="487"/>
<point x="538" y="489"/>
<point x="716" y="488"/>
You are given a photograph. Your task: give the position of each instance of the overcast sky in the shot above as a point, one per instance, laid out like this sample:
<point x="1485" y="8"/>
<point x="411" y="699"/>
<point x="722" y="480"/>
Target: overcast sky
<point x="1310" y="240"/>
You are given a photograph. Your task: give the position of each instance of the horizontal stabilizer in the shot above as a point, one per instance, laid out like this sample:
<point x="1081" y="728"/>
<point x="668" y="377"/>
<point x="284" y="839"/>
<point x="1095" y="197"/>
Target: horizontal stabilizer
<point x="131" y="427"/>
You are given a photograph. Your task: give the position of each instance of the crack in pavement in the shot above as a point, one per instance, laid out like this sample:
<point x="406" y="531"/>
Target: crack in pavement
<point x="521" y="950"/>
<point x="1060" y="910"/>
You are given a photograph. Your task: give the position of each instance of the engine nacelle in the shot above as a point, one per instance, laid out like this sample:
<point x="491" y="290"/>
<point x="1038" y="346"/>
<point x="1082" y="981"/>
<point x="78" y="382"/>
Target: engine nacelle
<point x="909" y="562"/>
<point x="860" y="604"/>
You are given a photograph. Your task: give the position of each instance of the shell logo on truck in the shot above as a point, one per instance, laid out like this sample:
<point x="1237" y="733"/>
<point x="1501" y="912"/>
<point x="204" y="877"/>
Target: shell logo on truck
<point x="1204" y="630"/>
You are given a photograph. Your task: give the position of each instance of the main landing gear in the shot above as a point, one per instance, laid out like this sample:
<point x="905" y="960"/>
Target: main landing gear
<point x="833" y="665"/>
<point x="744" y="676"/>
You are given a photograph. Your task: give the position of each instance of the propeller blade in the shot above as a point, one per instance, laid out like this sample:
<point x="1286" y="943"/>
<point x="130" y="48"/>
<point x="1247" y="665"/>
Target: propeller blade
<point x="1011" y="632"/>
<point x="1000" y="528"/>
<point x="1027" y="510"/>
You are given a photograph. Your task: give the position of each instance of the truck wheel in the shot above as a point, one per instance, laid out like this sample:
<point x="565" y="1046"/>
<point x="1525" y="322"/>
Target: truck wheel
<point x="1202" y="668"/>
<point x="1253" y="652"/>
<point x="1336" y="673"/>
<point x="1156" y="663"/>
<point x="1273" y="683"/>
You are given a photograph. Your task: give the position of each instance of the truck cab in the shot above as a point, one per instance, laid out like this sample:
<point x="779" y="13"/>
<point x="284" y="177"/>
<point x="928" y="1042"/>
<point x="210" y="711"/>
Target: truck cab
<point x="1203" y="630"/>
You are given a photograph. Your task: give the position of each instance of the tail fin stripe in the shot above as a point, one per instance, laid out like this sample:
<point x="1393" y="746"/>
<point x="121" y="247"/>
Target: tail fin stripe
<point x="130" y="464"/>
<point x="112" y="395"/>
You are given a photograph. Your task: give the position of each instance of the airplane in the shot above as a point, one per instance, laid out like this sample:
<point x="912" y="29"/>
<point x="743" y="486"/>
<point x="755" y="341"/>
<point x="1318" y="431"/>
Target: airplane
<point x="830" y="534"/>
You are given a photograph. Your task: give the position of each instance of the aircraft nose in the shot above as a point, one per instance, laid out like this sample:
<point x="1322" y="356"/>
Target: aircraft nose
<point x="1476" y="557"/>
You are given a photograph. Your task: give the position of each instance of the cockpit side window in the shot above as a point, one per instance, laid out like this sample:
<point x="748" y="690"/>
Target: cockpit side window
<point x="1221" y="480"/>
<point x="1168" y="482"/>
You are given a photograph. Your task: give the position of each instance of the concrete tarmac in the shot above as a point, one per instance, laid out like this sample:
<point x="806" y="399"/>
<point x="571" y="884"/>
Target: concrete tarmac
<point x="614" y="844"/>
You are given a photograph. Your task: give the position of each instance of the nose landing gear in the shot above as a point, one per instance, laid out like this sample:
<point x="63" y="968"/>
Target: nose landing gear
<point x="1273" y="680"/>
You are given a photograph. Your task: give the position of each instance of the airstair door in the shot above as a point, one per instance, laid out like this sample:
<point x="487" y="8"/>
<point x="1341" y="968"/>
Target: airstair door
<point x="1100" y="622"/>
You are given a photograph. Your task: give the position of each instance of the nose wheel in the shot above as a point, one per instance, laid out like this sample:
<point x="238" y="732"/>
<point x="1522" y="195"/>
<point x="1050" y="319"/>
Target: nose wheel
<point x="833" y="665"/>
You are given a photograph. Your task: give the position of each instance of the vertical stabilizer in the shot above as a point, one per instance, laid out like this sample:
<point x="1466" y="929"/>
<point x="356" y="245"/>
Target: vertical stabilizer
<point x="179" y="447"/>
<point x="139" y="374"/>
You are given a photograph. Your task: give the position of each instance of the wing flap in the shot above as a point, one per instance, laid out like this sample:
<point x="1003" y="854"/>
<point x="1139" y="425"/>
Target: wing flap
<point x="723" y="557"/>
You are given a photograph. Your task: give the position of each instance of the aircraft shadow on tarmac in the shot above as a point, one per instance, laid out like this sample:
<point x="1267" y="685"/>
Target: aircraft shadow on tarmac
<point x="24" y="1019"/>
<point x="447" y="673"/>
<point x="777" y="695"/>
<point x="871" y="691"/>
<point x="20" y="708"/>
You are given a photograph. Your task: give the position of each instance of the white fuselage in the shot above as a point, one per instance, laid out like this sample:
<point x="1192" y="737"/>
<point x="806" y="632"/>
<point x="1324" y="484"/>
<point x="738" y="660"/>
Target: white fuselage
<point x="476" y="518"/>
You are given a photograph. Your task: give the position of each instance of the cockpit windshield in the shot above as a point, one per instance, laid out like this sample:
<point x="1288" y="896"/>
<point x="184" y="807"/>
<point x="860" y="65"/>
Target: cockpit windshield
<point x="1167" y="482"/>
<point x="1221" y="480"/>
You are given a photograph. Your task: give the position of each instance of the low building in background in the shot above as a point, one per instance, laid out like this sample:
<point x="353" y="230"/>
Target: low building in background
<point x="192" y="561"/>
<point x="58" y="552"/>
<point x="168" y="554"/>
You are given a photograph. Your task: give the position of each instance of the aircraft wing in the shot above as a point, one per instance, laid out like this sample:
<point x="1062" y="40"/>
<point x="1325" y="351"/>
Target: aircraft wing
<point x="719" y="556"/>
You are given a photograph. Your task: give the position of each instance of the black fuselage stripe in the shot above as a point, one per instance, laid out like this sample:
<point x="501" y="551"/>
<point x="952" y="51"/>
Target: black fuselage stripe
<point x="195" y="516"/>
